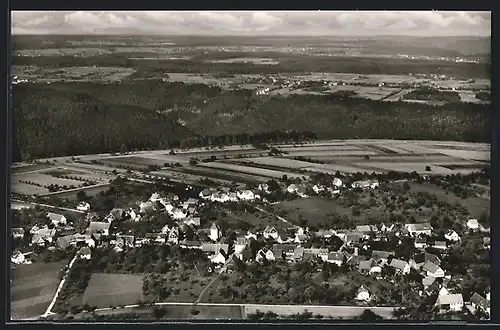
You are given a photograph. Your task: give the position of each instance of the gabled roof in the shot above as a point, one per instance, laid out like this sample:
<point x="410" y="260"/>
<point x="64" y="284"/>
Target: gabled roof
<point x="419" y="240"/>
<point x="285" y="247"/>
<point x="365" y="265"/>
<point x="430" y="267"/>
<point x="439" y="244"/>
<point x="419" y="226"/>
<point x="450" y="299"/>
<point x="366" y="228"/>
<point x="377" y="255"/>
<point x="479" y="300"/>
<point x="432" y="258"/>
<point x="362" y="289"/>
<point x="97" y="226"/>
<point x="192" y="201"/>
<point x="427" y="281"/>
<point x="270" y="230"/>
<point x="55" y="216"/>
<point x="298" y="252"/>
<point x="399" y="264"/>
<point x="335" y="256"/>
<point x="85" y="250"/>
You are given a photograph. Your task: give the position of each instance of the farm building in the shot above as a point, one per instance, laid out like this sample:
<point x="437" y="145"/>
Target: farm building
<point x="381" y="257"/>
<point x="453" y="302"/>
<point x="433" y="270"/>
<point x="363" y="294"/>
<point x="401" y="266"/>
<point x="98" y="227"/>
<point x="473" y="224"/>
<point x="57" y="219"/>
<point x="452" y="236"/>
<point x="43" y="236"/>
<point x="479" y="302"/>
<point x="417" y="229"/>
<point x="83" y="206"/>
<point x="85" y="253"/>
<point x="18" y="232"/>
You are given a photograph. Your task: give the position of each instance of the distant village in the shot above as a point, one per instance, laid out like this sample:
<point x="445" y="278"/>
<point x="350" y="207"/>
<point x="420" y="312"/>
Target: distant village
<point x="287" y="245"/>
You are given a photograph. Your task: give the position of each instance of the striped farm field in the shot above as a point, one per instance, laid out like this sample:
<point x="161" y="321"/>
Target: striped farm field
<point x="249" y="170"/>
<point x="332" y="153"/>
<point x="466" y="154"/>
<point x="325" y="148"/>
<point x="408" y="167"/>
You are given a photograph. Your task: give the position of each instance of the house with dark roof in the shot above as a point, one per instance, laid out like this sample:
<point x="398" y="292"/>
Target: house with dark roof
<point x="440" y="245"/>
<point x="479" y="302"/>
<point x="420" y="243"/>
<point x="381" y="257"/>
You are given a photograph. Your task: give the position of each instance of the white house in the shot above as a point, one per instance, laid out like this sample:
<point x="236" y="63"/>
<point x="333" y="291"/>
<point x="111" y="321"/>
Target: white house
<point x="401" y="266"/>
<point x="17" y="258"/>
<point x="246" y="195"/>
<point x="85" y="253"/>
<point x="57" y="219"/>
<point x="155" y="197"/>
<point x="240" y="244"/>
<point x="177" y="214"/>
<point x="173" y="236"/>
<point x="473" y="224"/>
<point x="165" y="230"/>
<point x="363" y="294"/>
<point x="18" y="232"/>
<point x="337" y="182"/>
<point x="218" y="258"/>
<point x="453" y="302"/>
<point x="168" y="207"/>
<point x="292" y="189"/>
<point x="452" y="236"/>
<point x="375" y="270"/>
<point x="250" y="235"/>
<point x="318" y="188"/>
<point x="270" y="232"/>
<point x="264" y="187"/>
<point x="417" y="229"/>
<point x="83" y="206"/>
<point x="264" y="254"/>
<point x="134" y="215"/>
<point x="335" y="258"/>
<point x="215" y="232"/>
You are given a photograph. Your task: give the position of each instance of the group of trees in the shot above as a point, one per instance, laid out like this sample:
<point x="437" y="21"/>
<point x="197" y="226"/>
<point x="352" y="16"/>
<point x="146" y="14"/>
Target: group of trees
<point x="432" y="94"/>
<point x="56" y="120"/>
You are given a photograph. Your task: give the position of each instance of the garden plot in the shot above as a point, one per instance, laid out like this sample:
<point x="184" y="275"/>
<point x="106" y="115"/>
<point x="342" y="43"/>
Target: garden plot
<point x="374" y="93"/>
<point x="413" y="148"/>
<point x="106" y="290"/>
<point x="249" y="170"/>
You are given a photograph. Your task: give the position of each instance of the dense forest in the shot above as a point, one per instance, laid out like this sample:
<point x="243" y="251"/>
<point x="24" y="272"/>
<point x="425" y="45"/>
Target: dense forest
<point x="69" y="119"/>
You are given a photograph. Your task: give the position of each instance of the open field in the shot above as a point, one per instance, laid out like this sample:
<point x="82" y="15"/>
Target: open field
<point x="466" y="154"/>
<point x="105" y="290"/>
<point x="84" y="52"/>
<point x="135" y="161"/>
<point x="258" y="219"/>
<point x="28" y="168"/>
<point x="106" y="74"/>
<point x="253" y="60"/>
<point x="33" y="287"/>
<point x="221" y="174"/>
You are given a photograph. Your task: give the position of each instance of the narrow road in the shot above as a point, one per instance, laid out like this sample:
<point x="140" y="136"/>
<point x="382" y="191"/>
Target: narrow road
<point x="59" y="288"/>
<point x="47" y="205"/>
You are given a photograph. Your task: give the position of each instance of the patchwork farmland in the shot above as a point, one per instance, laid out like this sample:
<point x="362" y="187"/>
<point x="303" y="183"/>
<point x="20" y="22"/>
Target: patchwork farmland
<point x="245" y="164"/>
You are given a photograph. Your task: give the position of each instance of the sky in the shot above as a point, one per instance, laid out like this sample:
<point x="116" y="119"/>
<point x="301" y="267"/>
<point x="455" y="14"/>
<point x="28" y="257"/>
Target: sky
<point x="296" y="23"/>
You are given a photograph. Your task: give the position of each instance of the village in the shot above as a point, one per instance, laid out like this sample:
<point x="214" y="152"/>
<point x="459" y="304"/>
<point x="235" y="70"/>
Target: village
<point x="357" y="245"/>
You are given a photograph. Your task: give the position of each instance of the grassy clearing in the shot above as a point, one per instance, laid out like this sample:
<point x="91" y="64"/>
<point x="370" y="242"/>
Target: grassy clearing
<point x="474" y="205"/>
<point x="134" y="160"/>
<point x="45" y="179"/>
<point x="28" y="168"/>
<point x="28" y="189"/>
<point x="33" y="287"/>
<point x="105" y="290"/>
<point x="466" y="154"/>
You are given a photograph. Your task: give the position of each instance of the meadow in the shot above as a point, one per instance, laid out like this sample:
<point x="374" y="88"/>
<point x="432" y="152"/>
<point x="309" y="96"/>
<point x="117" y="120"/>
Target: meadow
<point x="33" y="287"/>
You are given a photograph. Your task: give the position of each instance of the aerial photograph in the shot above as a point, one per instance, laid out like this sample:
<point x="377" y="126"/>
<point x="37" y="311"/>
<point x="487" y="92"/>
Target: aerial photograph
<point x="250" y="166"/>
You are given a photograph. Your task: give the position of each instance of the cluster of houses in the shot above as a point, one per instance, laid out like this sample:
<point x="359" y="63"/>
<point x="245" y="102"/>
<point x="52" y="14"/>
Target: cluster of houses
<point x="286" y="245"/>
